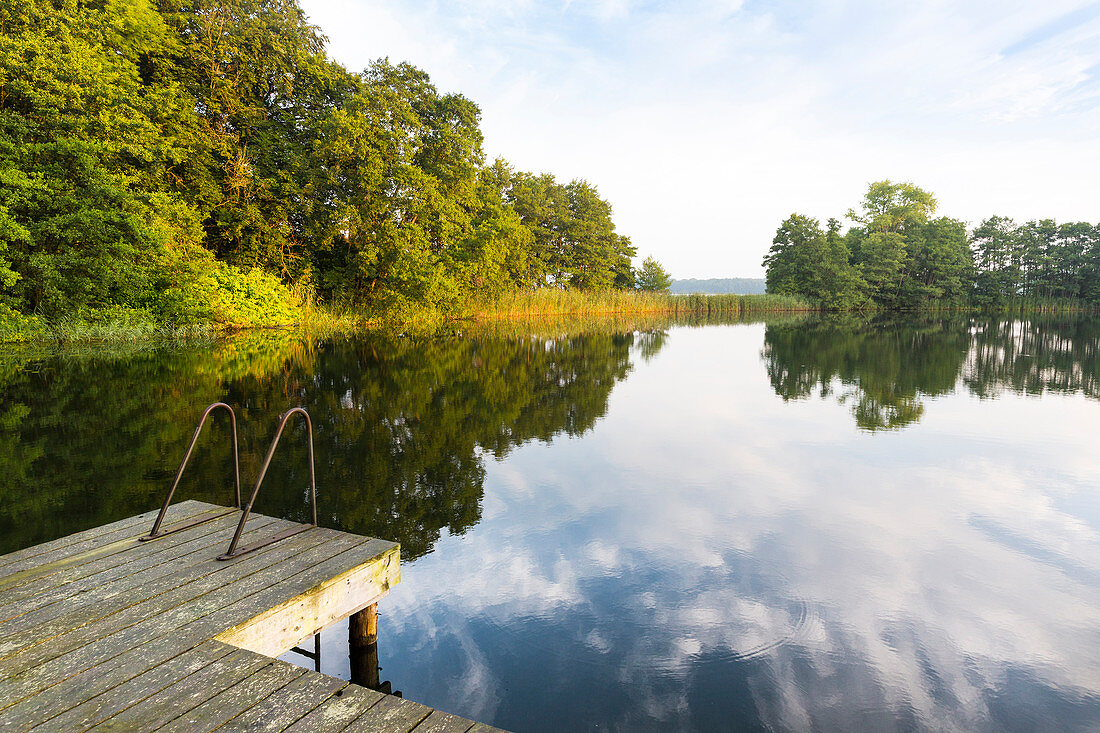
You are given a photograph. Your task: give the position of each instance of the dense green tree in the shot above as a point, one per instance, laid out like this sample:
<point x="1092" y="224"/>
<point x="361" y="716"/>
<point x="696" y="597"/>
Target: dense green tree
<point x="808" y="262"/>
<point x="940" y="266"/>
<point x="794" y="255"/>
<point x="135" y="134"/>
<point x="893" y="207"/>
<point x="901" y="257"/>
<point x="889" y="215"/>
<point x="84" y="219"/>
<point x="1035" y="261"/>
<point x="653" y="277"/>
<point x="994" y="244"/>
<point x="575" y="243"/>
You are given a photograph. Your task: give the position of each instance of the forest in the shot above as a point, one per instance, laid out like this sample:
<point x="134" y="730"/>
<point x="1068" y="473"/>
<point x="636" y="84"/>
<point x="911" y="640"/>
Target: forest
<point x="192" y="161"/>
<point x="898" y="255"/>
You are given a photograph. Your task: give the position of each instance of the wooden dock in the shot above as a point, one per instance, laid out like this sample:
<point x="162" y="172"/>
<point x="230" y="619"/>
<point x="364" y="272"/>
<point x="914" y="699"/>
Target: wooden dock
<point x="101" y="631"/>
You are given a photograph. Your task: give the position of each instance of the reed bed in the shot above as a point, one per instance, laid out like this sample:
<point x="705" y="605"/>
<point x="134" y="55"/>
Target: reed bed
<point x="548" y="302"/>
<point x="737" y="304"/>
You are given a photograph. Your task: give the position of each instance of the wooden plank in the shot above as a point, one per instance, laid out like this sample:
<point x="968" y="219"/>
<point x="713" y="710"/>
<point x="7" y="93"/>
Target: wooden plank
<point x="276" y="712"/>
<point x="391" y="715"/>
<point x="287" y="624"/>
<point x="338" y="711"/>
<point x="158" y="710"/>
<point x="31" y="569"/>
<point x="305" y="575"/>
<point x="118" y="635"/>
<point x="230" y="703"/>
<point x="58" y="546"/>
<point x="441" y="722"/>
<point x="131" y="546"/>
<point x="37" y="570"/>
<point x="143" y="568"/>
<point x="102" y="677"/>
<point x="85" y="539"/>
<point x="164" y="561"/>
<point x="483" y="728"/>
<point x="79" y="717"/>
<point x="83" y="649"/>
<point x="125" y="609"/>
<point x="212" y="577"/>
<point x="97" y="571"/>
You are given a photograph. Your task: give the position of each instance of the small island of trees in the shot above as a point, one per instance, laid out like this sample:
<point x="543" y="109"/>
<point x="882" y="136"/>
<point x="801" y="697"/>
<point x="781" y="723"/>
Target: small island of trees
<point x="897" y="255"/>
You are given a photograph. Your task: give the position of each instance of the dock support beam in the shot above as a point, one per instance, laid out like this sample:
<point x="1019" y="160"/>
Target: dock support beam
<point x="363" y="641"/>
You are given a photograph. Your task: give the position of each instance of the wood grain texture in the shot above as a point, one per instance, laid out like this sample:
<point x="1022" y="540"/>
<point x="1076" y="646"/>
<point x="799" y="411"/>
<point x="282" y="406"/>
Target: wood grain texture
<point x="101" y="632"/>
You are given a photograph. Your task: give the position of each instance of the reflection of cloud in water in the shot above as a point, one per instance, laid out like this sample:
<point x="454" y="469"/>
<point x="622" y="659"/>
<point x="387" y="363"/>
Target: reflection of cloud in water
<point x="683" y="555"/>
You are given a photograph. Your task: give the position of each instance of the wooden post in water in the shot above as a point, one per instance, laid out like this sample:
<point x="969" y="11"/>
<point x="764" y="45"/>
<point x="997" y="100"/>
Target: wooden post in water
<point x="363" y="641"/>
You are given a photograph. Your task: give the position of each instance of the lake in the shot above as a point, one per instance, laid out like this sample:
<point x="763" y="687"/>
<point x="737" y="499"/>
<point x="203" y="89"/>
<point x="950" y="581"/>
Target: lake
<point x="803" y="522"/>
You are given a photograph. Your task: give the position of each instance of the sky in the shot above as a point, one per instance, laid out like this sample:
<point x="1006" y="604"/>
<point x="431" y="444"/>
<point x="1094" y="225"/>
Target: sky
<point x="705" y="123"/>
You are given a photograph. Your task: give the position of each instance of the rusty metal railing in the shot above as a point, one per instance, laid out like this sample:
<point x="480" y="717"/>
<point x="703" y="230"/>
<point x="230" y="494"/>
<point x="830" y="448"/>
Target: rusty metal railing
<point x="156" y="531"/>
<point x="233" y="551"/>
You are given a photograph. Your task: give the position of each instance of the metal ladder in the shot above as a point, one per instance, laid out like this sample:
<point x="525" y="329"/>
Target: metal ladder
<point x="233" y="550"/>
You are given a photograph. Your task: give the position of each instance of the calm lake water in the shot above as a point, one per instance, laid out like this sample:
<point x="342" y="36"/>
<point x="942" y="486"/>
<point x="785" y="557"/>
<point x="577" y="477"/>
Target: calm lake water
<point x="795" y="524"/>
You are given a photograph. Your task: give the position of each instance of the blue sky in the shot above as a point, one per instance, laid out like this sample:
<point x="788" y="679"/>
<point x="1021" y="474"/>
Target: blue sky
<point x="706" y="122"/>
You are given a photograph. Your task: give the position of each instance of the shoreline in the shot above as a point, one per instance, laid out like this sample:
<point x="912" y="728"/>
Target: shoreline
<point x="514" y="308"/>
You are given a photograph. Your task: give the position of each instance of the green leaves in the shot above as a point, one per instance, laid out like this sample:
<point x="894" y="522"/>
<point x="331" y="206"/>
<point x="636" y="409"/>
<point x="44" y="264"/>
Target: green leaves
<point x="902" y="258"/>
<point x="892" y="207"/>
<point x="134" y="131"/>
<point x="806" y="261"/>
<point x="653" y="277"/>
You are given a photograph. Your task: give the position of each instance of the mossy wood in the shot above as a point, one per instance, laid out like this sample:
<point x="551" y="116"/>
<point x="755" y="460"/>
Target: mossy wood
<point x="101" y="631"/>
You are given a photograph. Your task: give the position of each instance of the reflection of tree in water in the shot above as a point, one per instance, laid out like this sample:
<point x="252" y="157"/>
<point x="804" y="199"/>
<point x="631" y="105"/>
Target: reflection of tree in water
<point x="886" y="366"/>
<point x="399" y="425"/>
<point x="649" y="343"/>
<point x="1034" y="355"/>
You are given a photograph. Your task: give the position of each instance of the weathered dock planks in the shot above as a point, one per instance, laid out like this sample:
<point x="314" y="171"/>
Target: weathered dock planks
<point x="101" y="632"/>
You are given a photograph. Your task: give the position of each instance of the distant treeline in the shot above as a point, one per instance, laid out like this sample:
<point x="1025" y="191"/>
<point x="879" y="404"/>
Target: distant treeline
<point x="719" y="286"/>
<point x="192" y="160"/>
<point x="898" y="256"/>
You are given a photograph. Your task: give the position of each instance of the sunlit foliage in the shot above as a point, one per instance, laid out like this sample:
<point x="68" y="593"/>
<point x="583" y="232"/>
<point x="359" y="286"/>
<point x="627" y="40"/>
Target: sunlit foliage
<point x="202" y="160"/>
<point x="898" y="256"/>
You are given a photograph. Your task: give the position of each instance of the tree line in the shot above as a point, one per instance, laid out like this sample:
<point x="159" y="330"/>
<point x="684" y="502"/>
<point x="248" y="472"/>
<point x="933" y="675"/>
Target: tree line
<point x="168" y="155"/>
<point x="897" y="255"/>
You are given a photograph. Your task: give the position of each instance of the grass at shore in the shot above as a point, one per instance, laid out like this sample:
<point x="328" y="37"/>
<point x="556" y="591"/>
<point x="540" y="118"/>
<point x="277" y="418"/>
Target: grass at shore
<point x="548" y="307"/>
<point x="544" y="303"/>
<point x="116" y="325"/>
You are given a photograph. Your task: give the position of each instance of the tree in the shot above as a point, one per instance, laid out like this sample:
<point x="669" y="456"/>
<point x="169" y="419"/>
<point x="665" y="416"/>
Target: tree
<point x="808" y="262"/>
<point x="940" y="265"/>
<point x="85" y="143"/>
<point x="891" y="207"/>
<point x="652" y="277"/>
<point x="794" y="255"/>
<point x="138" y="138"/>
<point x="993" y="243"/>
<point x="889" y="214"/>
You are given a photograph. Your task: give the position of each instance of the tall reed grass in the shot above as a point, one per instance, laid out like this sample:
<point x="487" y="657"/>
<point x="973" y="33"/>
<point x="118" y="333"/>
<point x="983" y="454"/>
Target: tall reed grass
<point x="552" y="302"/>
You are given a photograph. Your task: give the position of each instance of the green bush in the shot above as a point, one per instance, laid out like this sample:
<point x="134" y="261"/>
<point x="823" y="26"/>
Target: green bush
<point x="202" y="290"/>
<point x="15" y="326"/>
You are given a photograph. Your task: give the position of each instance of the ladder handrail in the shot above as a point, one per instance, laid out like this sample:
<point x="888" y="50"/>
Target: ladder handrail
<point x="233" y="551"/>
<point x="155" y="532"/>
